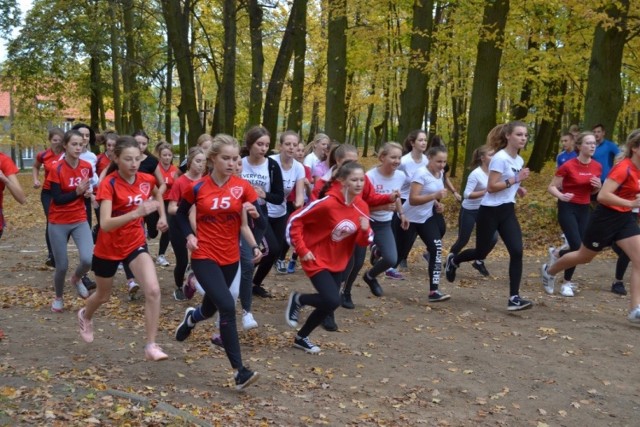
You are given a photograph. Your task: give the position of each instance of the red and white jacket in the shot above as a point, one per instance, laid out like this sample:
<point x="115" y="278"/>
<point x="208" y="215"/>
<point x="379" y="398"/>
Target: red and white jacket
<point x="330" y="229"/>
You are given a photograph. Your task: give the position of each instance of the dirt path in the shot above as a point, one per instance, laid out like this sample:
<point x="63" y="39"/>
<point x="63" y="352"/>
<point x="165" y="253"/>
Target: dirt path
<point x="396" y="360"/>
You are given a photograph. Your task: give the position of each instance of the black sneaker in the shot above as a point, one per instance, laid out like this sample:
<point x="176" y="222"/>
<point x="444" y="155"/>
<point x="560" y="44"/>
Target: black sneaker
<point x="306" y="345"/>
<point x="179" y="295"/>
<point x="375" y="287"/>
<point x="245" y="377"/>
<point x="437" y="296"/>
<point x="261" y="292"/>
<point x="479" y="265"/>
<point x="450" y="268"/>
<point x="516" y="303"/>
<point x="329" y="323"/>
<point x="618" y="288"/>
<point x="50" y="263"/>
<point x="374" y="255"/>
<point x="88" y="283"/>
<point x="184" y="330"/>
<point x="347" y="302"/>
<point x="293" y="310"/>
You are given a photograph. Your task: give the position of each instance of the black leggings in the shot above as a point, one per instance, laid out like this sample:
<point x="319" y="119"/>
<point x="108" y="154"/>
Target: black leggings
<point x="502" y="219"/>
<point x="179" y="245"/>
<point x="45" y="199"/>
<point x="216" y="280"/>
<point x="353" y="268"/>
<point x="431" y="232"/>
<point x="273" y="238"/>
<point x="621" y="264"/>
<point x="573" y="219"/>
<point x="325" y="301"/>
<point x="285" y="245"/>
<point x="165" y="238"/>
<point x="466" y="223"/>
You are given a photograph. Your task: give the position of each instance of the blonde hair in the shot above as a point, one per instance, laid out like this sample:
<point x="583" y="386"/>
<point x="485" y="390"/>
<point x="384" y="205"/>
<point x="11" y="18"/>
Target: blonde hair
<point x="633" y="141"/>
<point x="312" y="145"/>
<point x="204" y="138"/>
<point x="387" y="147"/>
<point x="193" y="152"/>
<point x="218" y="142"/>
<point x="478" y="154"/>
<point x="162" y="145"/>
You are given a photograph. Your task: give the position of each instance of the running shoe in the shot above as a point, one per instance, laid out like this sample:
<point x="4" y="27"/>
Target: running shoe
<point x="57" y="306"/>
<point x="133" y="288"/>
<point x="245" y="377"/>
<point x="329" y="323"/>
<point x="49" y="262"/>
<point x="392" y="273"/>
<point x="291" y="267"/>
<point x="403" y="264"/>
<point x="346" y="300"/>
<point x="516" y="303"/>
<point x="216" y="340"/>
<point x="248" y="322"/>
<point x="260" y="291"/>
<point x="437" y="296"/>
<point x="86" y="327"/>
<point x="553" y="255"/>
<point x="154" y="352"/>
<point x="179" y="295"/>
<point x="634" y="315"/>
<point x="281" y="266"/>
<point x="293" y="310"/>
<point x="374" y="253"/>
<point x="548" y="281"/>
<point x="375" y="287"/>
<point x="450" y="268"/>
<point x="566" y="290"/>
<point x="482" y="269"/>
<point x="618" y="288"/>
<point x="306" y="345"/>
<point x="83" y="292"/>
<point x="88" y="283"/>
<point x="565" y="243"/>
<point x="184" y="330"/>
<point x="162" y="261"/>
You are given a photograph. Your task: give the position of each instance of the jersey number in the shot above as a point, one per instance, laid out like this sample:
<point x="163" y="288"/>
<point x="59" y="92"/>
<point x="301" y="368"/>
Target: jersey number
<point x="74" y="182"/>
<point x="221" y="203"/>
<point x="134" y="200"/>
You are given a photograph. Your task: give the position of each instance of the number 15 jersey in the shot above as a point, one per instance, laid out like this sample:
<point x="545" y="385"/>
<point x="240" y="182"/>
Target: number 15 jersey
<point x="117" y="244"/>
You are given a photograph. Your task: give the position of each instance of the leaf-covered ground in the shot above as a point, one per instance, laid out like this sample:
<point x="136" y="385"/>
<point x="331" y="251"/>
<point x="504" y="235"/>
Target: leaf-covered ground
<point x="397" y="360"/>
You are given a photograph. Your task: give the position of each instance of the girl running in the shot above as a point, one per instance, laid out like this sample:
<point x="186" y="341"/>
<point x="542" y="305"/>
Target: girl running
<point x="497" y="211"/>
<point x="196" y="166"/>
<point x="427" y="191"/>
<point x="474" y="191"/>
<point x="324" y="234"/>
<point x="220" y="218"/>
<point x="613" y="221"/>
<point x="265" y="176"/>
<point x="573" y="184"/>
<point x="126" y="197"/>
<point x="105" y="158"/>
<point x="70" y="186"/>
<point x="318" y="152"/>
<point x="169" y="174"/>
<point x="48" y="159"/>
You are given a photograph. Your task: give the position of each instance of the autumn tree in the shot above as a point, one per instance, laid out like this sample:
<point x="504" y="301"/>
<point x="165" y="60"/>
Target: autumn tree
<point x="335" y="109"/>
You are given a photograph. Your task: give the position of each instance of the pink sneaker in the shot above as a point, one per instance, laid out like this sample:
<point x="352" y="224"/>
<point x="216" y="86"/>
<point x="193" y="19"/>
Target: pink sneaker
<point x="154" y="352"/>
<point x="86" y="327"/>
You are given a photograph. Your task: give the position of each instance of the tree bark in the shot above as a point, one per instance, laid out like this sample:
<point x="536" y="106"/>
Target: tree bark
<point x="294" y="121"/>
<point x="482" y="111"/>
<point x="257" y="63"/>
<point x="335" y="109"/>
<point x="413" y="99"/>
<point x="168" y="135"/>
<point x="228" y="87"/>
<point x="131" y="75"/>
<point x="604" y="88"/>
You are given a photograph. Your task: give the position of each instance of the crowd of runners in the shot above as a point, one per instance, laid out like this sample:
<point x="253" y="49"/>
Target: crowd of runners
<point x="233" y="214"/>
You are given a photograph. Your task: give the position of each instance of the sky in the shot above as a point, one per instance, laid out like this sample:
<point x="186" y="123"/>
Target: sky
<point x="25" y="5"/>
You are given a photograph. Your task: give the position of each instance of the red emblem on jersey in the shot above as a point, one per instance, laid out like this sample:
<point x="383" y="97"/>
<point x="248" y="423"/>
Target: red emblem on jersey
<point x="84" y="172"/>
<point x="145" y="188"/>
<point x="236" y="192"/>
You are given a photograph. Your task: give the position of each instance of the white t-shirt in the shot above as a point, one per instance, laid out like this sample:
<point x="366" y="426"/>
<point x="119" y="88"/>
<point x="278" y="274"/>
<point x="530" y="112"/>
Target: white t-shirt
<point x="258" y="176"/>
<point x="477" y="181"/>
<point x="508" y="167"/>
<point x="409" y="167"/>
<point x="311" y="160"/>
<point x="89" y="156"/>
<point x="289" y="179"/>
<point x="430" y="184"/>
<point x="385" y="185"/>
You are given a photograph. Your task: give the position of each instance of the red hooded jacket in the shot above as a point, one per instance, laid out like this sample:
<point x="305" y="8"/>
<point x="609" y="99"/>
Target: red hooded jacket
<point x="369" y="194"/>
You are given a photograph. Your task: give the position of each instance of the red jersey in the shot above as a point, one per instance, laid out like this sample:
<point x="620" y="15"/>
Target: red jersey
<point x="307" y="174"/>
<point x="117" y="244"/>
<point x="329" y="229"/>
<point x="219" y="217"/>
<point x="576" y="179"/>
<point x="169" y="177"/>
<point x="179" y="187"/>
<point x="627" y="175"/>
<point x="369" y="194"/>
<point x="102" y="163"/>
<point x="48" y="159"/>
<point x="8" y="168"/>
<point x="68" y="179"/>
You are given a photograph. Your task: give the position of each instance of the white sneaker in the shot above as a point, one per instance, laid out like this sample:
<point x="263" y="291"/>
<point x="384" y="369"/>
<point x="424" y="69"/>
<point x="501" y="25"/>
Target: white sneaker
<point x="634" y="315"/>
<point x="565" y="243"/>
<point x="83" y="292"/>
<point x="566" y="290"/>
<point x="162" y="261"/>
<point x="120" y="266"/>
<point x="548" y="281"/>
<point x="553" y="255"/>
<point x="57" y="306"/>
<point x="248" y="322"/>
<point x="133" y="289"/>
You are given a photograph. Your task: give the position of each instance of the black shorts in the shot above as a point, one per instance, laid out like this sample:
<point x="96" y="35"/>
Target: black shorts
<point x="607" y="226"/>
<point x="107" y="268"/>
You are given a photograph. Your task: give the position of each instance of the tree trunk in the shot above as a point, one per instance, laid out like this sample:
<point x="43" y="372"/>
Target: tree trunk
<point x="168" y="135"/>
<point x="433" y="112"/>
<point x="257" y="63"/>
<point x="294" y="121"/>
<point x="604" y="89"/>
<point x="367" y="130"/>
<point x="279" y="73"/>
<point x="520" y="110"/>
<point x="335" y="110"/>
<point x="177" y="21"/>
<point x="95" y="88"/>
<point x="413" y="99"/>
<point x="482" y="112"/>
<point x="315" y="120"/>
<point x="135" y="114"/>
<point x="547" y="132"/>
<point x="228" y="87"/>
<point x="115" y="73"/>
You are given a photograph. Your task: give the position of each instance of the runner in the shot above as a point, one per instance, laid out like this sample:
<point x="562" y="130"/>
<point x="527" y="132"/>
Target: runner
<point x="169" y="174"/>
<point x="126" y="196"/>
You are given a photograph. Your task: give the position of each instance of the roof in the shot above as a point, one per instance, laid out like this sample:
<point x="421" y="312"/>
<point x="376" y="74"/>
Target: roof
<point x="5" y="104"/>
